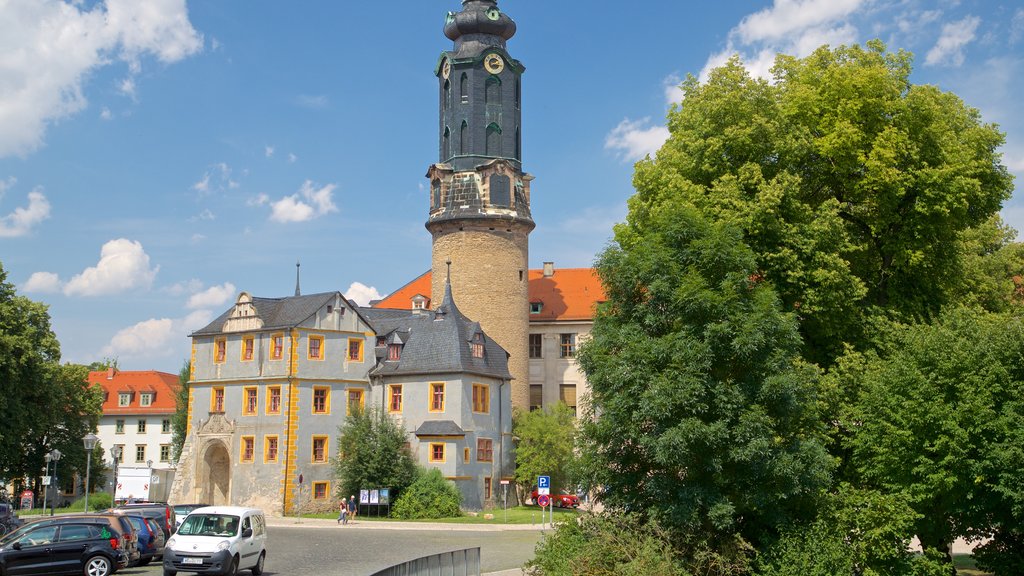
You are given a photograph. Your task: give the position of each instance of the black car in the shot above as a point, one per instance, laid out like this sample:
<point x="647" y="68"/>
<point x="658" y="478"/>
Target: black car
<point x="73" y="547"/>
<point x="128" y="538"/>
<point x="163" y="514"/>
<point x="8" y="518"/>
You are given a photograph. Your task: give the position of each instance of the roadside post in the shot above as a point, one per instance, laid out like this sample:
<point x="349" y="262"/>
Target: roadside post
<point x="504" y="498"/>
<point x="543" y="495"/>
<point x="298" y="505"/>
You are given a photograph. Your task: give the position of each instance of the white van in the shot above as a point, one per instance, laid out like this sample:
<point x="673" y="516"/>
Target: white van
<point x="218" y="540"/>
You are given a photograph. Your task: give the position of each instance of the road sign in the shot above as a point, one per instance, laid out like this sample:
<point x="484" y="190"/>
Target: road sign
<point x="504" y="482"/>
<point x="543" y="500"/>
<point x="543" y="484"/>
<point x="46" y="480"/>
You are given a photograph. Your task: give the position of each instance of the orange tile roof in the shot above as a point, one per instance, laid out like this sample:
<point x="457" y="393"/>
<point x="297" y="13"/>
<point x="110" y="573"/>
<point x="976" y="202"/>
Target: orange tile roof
<point x="568" y="294"/>
<point x="164" y="387"/>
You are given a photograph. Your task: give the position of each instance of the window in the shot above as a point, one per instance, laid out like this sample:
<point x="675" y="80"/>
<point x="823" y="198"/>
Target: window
<point x="476" y="346"/>
<point x="316" y="348"/>
<point x="481" y="398"/>
<point x="124" y="399"/>
<point x="487" y="488"/>
<point x="464" y="89"/>
<point x="536" y="307"/>
<point x="119" y="427"/>
<point x="217" y="399"/>
<point x="437" y="397"/>
<point x="142" y="426"/>
<point x="165" y="426"/>
<point x="484" y="450"/>
<point x="536" y="397"/>
<point x="536" y="345"/>
<point x="355" y="401"/>
<point x="321" y="400"/>
<point x="277" y="347"/>
<point x="165" y="452"/>
<point x="394" y="352"/>
<point x="567" y="394"/>
<point x="492" y="91"/>
<point x="248" y="449"/>
<point x="436" y="452"/>
<point x="319" y="449"/>
<point x="464" y="138"/>
<point x="220" y="350"/>
<point x="355" y="349"/>
<point x="395" y="398"/>
<point x="269" y="449"/>
<point x="140" y="453"/>
<point x="321" y="490"/>
<point x="146" y="399"/>
<point x="248" y="345"/>
<point x="274" y="400"/>
<point x="568" y="345"/>
<point x="251" y="401"/>
<point x="465" y="455"/>
<point x="493" y="143"/>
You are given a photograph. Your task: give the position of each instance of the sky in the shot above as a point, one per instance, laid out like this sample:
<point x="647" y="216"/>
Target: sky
<point x="157" y="157"/>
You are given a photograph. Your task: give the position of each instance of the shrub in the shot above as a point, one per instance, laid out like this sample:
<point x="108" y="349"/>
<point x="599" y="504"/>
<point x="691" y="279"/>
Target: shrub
<point x="100" y="501"/>
<point x="429" y="496"/>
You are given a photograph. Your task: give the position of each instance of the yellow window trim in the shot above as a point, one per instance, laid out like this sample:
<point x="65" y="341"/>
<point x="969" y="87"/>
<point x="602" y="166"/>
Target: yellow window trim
<point x="271" y="351"/>
<point x="213" y="398"/>
<point x="323" y="352"/>
<point x="430" y="398"/>
<point x="241" y="450"/>
<point x="485" y="393"/>
<point x="327" y="490"/>
<point x="312" y="451"/>
<point x="430" y="452"/>
<point x="465" y="455"/>
<point x="280" y="399"/>
<point x="347" y="348"/>
<point x="216" y="346"/>
<point x="348" y="403"/>
<point x="241" y="349"/>
<point x="401" y="399"/>
<point x="327" y="400"/>
<point x="266" y="448"/>
<point x="245" y="401"/>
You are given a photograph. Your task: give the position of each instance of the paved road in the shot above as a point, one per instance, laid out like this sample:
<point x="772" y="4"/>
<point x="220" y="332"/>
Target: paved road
<point x="326" y="549"/>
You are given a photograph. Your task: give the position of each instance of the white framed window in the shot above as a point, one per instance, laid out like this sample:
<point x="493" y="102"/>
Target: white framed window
<point x="146" y="399"/>
<point x="124" y="399"/>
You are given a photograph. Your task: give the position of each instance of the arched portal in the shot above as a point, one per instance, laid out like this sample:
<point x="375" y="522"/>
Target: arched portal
<point x="216" y="477"/>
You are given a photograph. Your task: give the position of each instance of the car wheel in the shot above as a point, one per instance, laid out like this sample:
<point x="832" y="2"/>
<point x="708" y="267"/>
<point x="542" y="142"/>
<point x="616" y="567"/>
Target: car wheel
<point x="98" y="566"/>
<point x="233" y="568"/>
<point x="170" y="572"/>
<point x="258" y="568"/>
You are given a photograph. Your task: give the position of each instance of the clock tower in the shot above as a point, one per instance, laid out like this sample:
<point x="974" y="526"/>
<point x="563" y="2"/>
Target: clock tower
<point x="479" y="195"/>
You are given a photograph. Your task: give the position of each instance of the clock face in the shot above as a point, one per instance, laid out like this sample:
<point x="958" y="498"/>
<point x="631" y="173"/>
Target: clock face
<point x="449" y="18"/>
<point x="494" y="64"/>
<point x="446" y="69"/>
<point x="493" y="14"/>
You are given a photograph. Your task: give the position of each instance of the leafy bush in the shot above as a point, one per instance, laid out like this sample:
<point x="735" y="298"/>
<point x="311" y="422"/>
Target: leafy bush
<point x="429" y="496"/>
<point x="99" y="501"/>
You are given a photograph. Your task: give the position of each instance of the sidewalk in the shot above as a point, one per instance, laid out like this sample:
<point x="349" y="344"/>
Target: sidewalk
<point x="293" y="522"/>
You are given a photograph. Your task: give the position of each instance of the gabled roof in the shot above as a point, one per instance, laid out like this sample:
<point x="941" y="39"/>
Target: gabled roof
<point x="439" y="428"/>
<point x="162" y="385"/>
<point x="278" y="313"/>
<point x="435" y="342"/>
<point x="567" y="294"/>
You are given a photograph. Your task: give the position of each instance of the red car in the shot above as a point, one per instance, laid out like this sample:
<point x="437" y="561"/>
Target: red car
<point x="559" y="500"/>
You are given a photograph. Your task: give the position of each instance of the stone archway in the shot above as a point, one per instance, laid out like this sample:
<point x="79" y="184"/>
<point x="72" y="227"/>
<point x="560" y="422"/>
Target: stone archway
<point x="215" y="478"/>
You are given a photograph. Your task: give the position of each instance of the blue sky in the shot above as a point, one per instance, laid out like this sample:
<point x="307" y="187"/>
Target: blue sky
<point x="159" y="156"/>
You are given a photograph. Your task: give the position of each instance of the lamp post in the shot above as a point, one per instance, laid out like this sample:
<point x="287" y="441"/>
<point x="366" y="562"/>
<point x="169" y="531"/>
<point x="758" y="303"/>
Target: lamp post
<point x="46" y="474"/>
<point x="55" y="456"/>
<point x="116" y="453"/>
<point x="89" y="440"/>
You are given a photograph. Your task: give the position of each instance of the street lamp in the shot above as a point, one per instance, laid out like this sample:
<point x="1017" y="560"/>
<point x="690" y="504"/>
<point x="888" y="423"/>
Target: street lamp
<point x="89" y="440"/>
<point x="116" y="453"/>
<point x="46" y="474"/>
<point x="55" y="456"/>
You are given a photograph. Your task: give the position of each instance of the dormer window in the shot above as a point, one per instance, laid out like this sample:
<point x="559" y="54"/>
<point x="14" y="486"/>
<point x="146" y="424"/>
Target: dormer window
<point x="394" y="351"/>
<point x="536" y="307"/>
<point x="124" y="399"/>
<point x="420" y="302"/>
<point x="382" y="341"/>
<point x="330" y="309"/>
<point x="476" y="346"/>
<point x="146" y="399"/>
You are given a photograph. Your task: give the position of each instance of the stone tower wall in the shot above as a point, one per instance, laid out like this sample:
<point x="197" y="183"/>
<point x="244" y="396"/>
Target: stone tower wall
<point x="489" y="275"/>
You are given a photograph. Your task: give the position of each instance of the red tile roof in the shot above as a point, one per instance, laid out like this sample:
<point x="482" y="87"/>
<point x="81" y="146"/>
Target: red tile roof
<point x="162" y="385"/>
<point x="568" y="294"/>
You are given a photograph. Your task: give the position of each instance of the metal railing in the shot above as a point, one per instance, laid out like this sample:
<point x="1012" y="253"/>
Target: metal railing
<point x="455" y="563"/>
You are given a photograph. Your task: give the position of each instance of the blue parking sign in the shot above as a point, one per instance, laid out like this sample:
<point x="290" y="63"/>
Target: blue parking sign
<point x="543" y="481"/>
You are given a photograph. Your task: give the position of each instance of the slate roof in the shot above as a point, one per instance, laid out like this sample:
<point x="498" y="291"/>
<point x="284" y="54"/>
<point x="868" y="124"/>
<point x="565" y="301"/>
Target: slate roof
<point x="277" y="313"/>
<point x="439" y="428"/>
<point x="434" y="342"/>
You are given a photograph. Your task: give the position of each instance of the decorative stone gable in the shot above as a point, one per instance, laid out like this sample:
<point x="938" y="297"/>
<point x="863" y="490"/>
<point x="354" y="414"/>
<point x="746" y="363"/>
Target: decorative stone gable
<point x="243" y="317"/>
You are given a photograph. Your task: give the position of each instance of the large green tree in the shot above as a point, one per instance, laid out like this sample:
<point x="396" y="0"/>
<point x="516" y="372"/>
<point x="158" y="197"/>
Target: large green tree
<point x="850" y="183"/>
<point x="706" y="419"/>
<point x="544" y="446"/>
<point x="43" y="405"/>
<point x="373" y="453"/>
<point x="179" y="422"/>
<point x="940" y="419"/>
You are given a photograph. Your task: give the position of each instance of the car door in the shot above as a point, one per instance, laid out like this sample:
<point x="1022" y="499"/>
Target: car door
<point x="249" y="551"/>
<point x="68" y="552"/>
<point x="30" y="554"/>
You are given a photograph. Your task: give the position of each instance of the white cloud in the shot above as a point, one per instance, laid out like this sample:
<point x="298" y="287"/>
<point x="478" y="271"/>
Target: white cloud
<point x="673" y="94"/>
<point x="362" y="294"/>
<point x="292" y="158"/>
<point x="314" y="102"/>
<point x="190" y="287"/>
<point x="127" y="87"/>
<point x="42" y="282"/>
<point x="1017" y="26"/>
<point x="787" y="18"/>
<point x="308" y="203"/>
<point x="949" y="49"/>
<point x="259" y="200"/>
<point x="212" y="297"/>
<point x="206" y="214"/>
<point x="268" y="151"/>
<point x="217" y="178"/>
<point x="197" y="238"/>
<point x="155" y="338"/>
<point x="123" y="267"/>
<point x="203" y="185"/>
<point x="22" y="219"/>
<point x="52" y="46"/>
<point x="634" y="139"/>
<point x="106" y="114"/>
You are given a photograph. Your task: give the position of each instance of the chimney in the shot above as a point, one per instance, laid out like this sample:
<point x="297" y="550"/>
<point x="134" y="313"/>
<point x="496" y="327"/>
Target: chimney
<point x="549" y="269"/>
<point x="110" y="373"/>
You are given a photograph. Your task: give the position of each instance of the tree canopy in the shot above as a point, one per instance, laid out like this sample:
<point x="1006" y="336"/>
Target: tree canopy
<point x="544" y="447"/>
<point x="372" y="453"/>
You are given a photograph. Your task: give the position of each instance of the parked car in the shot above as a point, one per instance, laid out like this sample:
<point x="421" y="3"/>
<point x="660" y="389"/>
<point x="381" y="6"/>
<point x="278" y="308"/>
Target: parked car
<point x="559" y="500"/>
<point x="8" y="518"/>
<point x="151" y="538"/>
<point x="115" y="523"/>
<point x="218" y="540"/>
<point x="182" y="510"/>
<point x="79" y="546"/>
<point x="162" y="513"/>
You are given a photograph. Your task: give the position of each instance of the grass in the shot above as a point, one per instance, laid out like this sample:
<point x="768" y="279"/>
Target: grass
<point x="516" y="515"/>
<point x="965" y="566"/>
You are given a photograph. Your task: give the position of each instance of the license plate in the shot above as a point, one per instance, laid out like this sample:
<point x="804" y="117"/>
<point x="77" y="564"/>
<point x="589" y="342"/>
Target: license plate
<point x="192" y="561"/>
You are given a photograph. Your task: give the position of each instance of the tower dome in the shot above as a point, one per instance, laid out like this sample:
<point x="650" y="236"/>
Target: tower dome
<point x="479" y="21"/>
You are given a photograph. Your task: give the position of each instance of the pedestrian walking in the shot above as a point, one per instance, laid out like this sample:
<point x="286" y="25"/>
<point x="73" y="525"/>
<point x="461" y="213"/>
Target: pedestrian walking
<point x="352" y="508"/>
<point x="343" y="512"/>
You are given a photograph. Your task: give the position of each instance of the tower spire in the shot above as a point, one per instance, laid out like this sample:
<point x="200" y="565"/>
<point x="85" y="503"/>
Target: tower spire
<point x="297" y="291"/>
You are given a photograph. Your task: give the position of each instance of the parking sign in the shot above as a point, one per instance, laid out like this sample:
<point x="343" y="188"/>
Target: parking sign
<point x="543" y="485"/>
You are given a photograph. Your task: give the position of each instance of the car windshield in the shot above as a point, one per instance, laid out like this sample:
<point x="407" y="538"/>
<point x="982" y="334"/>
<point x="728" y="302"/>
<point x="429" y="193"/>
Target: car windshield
<point x="209" y="525"/>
